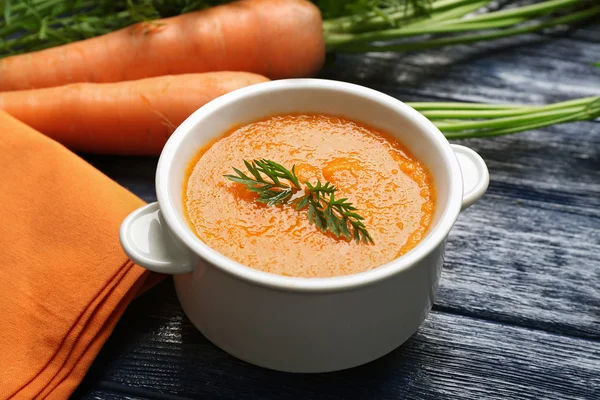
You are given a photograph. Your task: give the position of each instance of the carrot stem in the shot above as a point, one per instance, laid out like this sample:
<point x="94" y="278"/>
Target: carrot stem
<point x="376" y="21"/>
<point x="456" y="12"/>
<point x="516" y="129"/>
<point x="468" y="120"/>
<point x="469" y="110"/>
<point x="503" y="122"/>
<point x="359" y="47"/>
<point x="419" y="29"/>
<point x="525" y="11"/>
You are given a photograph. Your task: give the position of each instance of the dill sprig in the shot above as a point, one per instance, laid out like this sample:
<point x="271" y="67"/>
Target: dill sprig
<point x="275" y="184"/>
<point x="269" y="192"/>
<point x="333" y="215"/>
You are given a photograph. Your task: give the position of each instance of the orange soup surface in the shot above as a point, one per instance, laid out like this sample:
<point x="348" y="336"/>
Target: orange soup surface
<point x="390" y="189"/>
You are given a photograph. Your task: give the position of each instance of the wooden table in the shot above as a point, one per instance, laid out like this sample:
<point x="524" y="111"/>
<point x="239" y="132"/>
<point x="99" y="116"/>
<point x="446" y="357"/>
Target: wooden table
<point x="518" y="310"/>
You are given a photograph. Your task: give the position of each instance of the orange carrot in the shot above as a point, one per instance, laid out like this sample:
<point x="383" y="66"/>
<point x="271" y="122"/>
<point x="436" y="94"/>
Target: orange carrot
<point x="275" y="38"/>
<point x="134" y="117"/>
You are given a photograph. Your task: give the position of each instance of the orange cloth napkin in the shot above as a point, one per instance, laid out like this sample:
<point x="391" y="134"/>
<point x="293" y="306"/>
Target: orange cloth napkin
<point x="64" y="279"/>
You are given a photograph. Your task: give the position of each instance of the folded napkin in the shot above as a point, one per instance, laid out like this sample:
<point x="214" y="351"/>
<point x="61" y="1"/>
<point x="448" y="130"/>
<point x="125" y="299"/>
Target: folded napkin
<point x="64" y="279"/>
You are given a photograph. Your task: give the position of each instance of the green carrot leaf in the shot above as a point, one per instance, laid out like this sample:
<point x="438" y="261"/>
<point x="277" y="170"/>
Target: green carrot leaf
<point x="276" y="185"/>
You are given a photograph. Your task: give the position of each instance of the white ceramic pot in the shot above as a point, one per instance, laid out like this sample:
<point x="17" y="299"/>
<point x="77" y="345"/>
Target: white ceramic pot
<point x="302" y="324"/>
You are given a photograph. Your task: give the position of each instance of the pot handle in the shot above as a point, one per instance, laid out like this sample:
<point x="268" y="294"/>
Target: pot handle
<point x="149" y="242"/>
<point x="475" y="175"/>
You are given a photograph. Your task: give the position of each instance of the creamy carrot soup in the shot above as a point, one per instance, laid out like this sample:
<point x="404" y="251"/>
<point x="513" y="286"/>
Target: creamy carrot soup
<point x="389" y="188"/>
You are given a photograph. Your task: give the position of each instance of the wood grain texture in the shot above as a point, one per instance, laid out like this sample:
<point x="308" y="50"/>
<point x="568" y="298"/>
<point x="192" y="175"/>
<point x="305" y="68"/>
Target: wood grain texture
<point x="107" y="394"/>
<point x="518" y="311"/>
<point x="539" y="70"/>
<point x="529" y="253"/>
<point x="454" y="357"/>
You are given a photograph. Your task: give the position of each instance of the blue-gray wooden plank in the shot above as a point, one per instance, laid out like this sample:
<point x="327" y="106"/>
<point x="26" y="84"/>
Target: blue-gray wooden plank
<point x="155" y="351"/>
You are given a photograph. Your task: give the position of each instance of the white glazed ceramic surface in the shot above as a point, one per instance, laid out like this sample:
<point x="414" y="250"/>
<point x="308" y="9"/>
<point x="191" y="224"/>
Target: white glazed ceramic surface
<point x="299" y="324"/>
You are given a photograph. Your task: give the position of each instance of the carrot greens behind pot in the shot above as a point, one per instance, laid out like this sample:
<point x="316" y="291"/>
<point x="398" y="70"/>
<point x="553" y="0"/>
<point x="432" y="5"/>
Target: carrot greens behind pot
<point x="350" y="26"/>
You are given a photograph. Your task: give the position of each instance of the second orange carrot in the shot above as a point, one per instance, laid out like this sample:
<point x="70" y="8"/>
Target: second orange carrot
<point x="133" y="117"/>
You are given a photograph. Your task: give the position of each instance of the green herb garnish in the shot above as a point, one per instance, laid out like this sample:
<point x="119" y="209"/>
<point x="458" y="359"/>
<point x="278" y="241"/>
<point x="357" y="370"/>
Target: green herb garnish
<point x="274" y="184"/>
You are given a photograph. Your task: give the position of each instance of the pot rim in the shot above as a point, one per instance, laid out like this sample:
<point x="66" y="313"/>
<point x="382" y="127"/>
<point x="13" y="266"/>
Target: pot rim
<point x="434" y="237"/>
